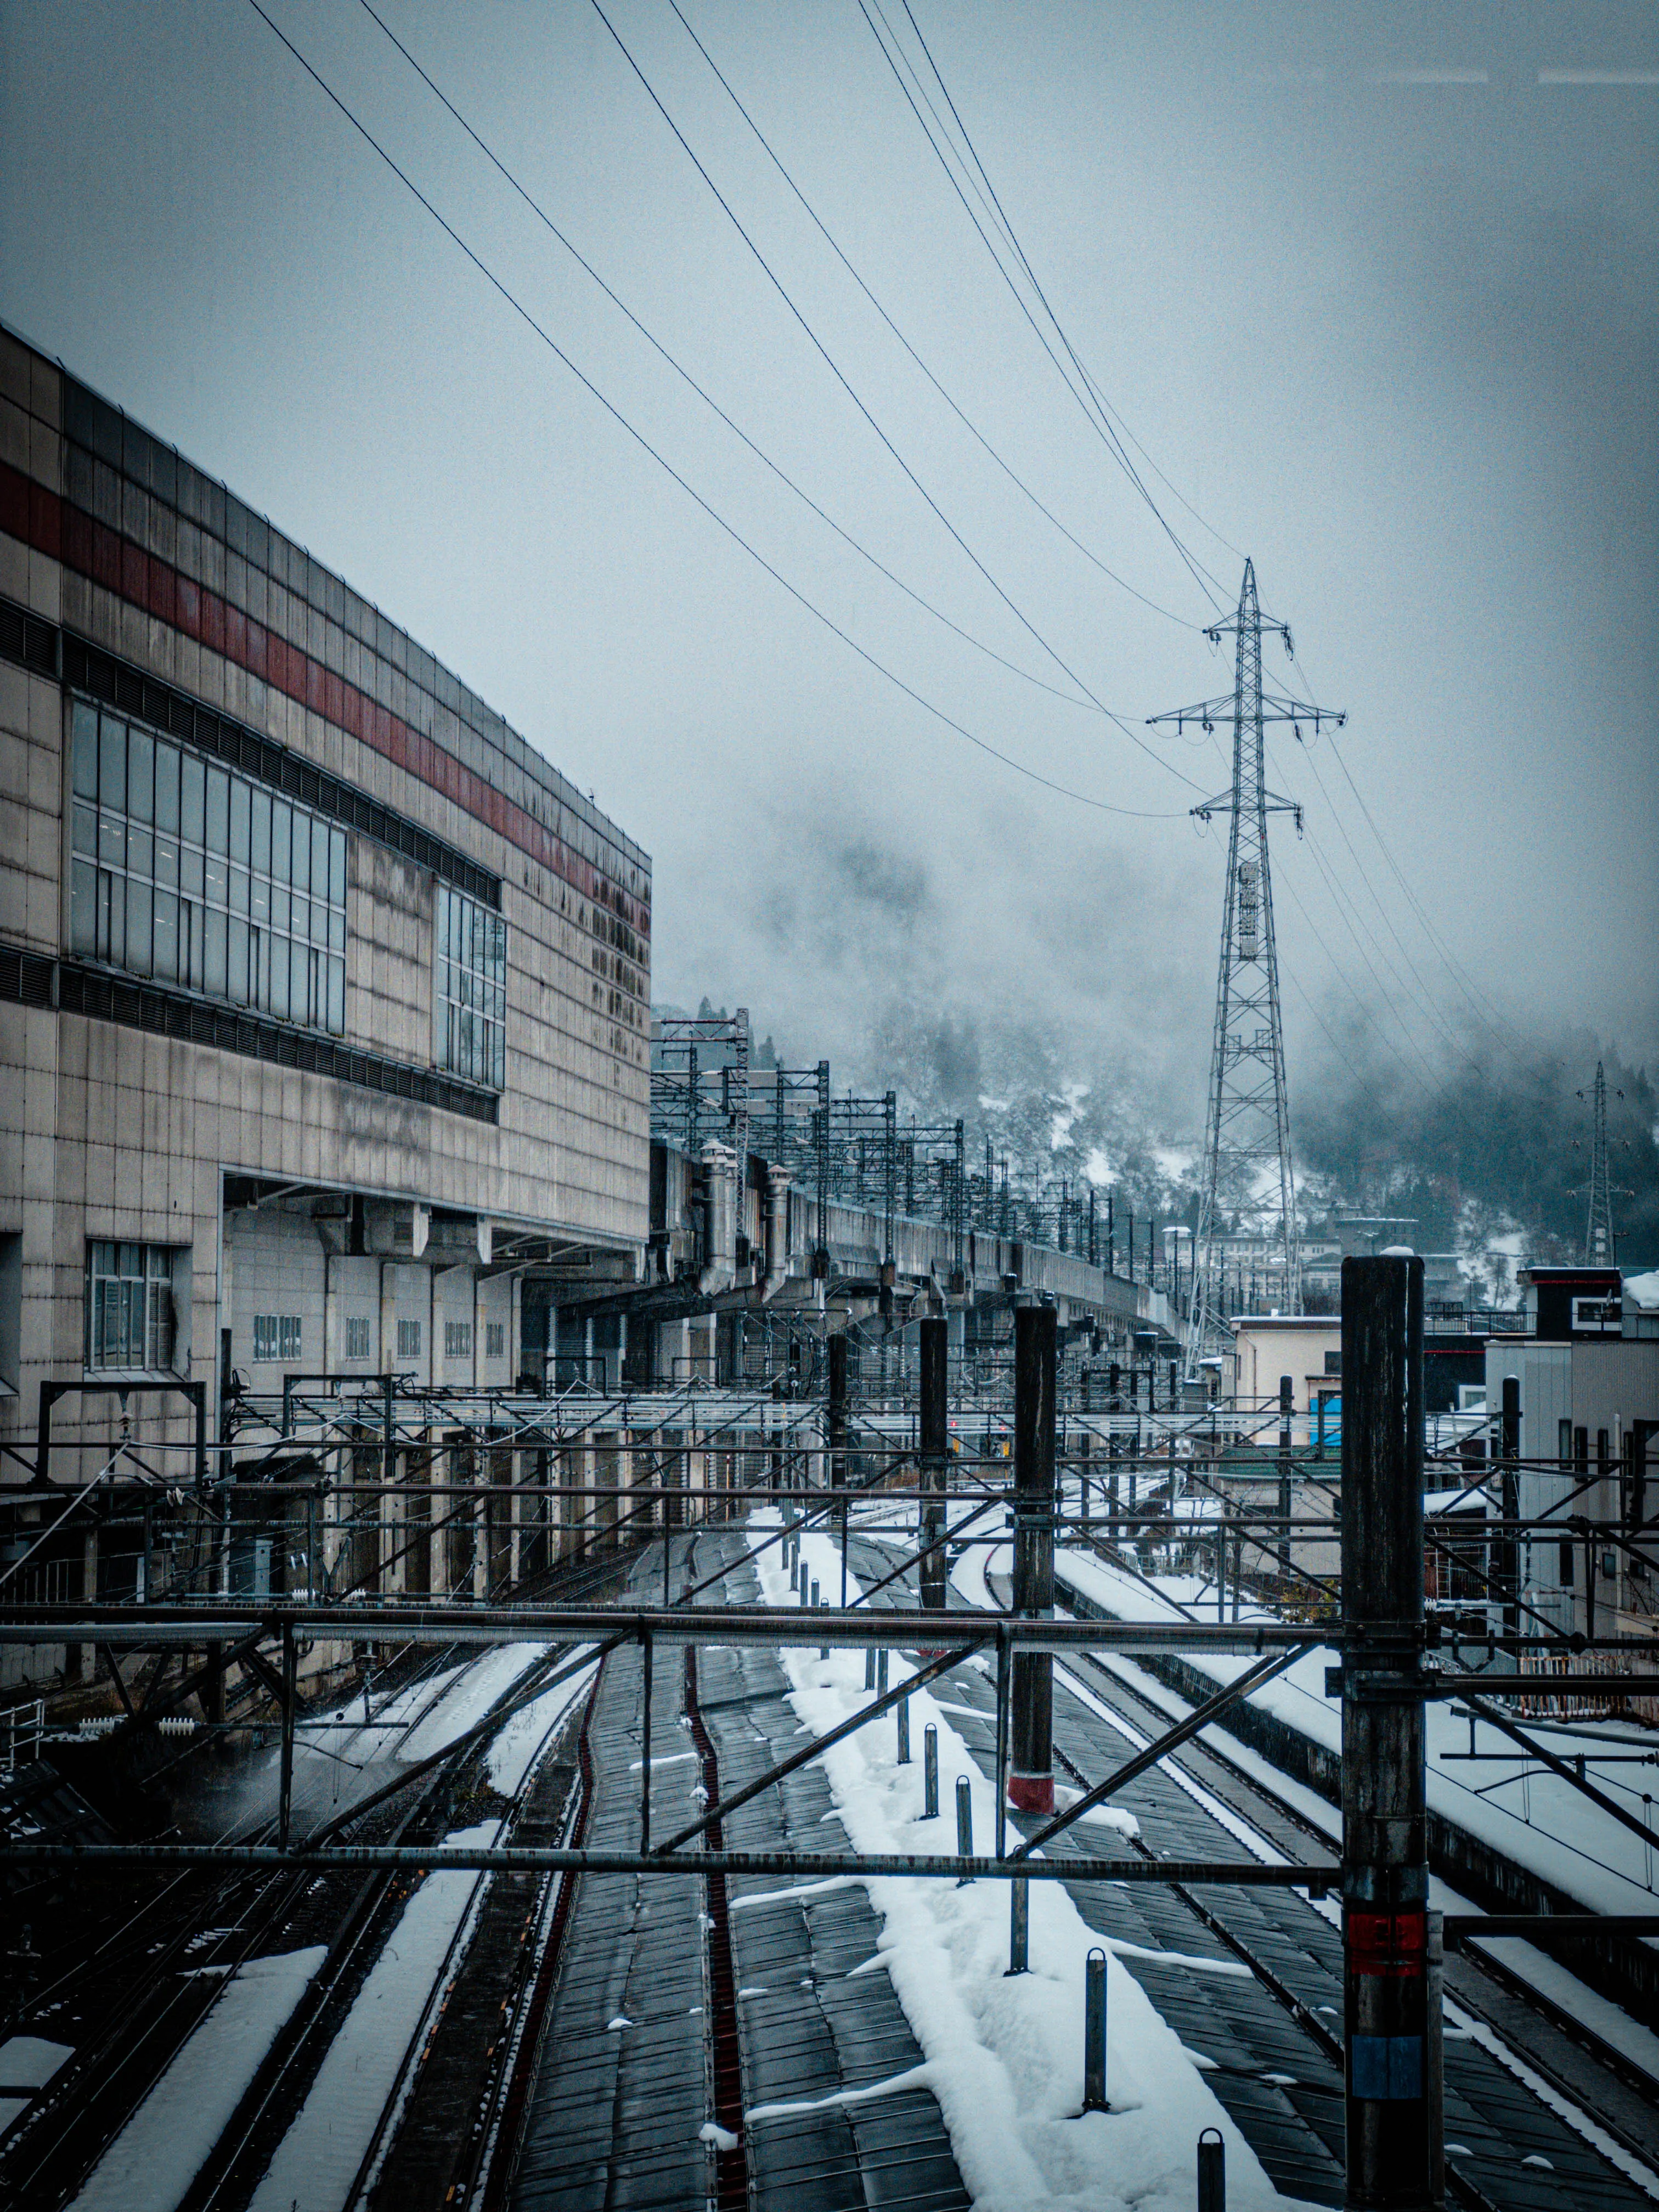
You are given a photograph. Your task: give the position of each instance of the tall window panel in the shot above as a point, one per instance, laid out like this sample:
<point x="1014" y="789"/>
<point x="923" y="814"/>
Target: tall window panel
<point x="471" y="979"/>
<point x="182" y="871"/>
<point x="129" y="1309"/>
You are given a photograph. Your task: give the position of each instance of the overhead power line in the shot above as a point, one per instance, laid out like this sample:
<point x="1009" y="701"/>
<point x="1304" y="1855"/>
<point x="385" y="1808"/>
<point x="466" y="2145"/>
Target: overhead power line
<point x="1026" y="675"/>
<point x="1100" y="401"/>
<point x="478" y="261"/>
<point x="1489" y="1016"/>
<point x="847" y="386"/>
<point x="1087" y="398"/>
<point x="967" y="422"/>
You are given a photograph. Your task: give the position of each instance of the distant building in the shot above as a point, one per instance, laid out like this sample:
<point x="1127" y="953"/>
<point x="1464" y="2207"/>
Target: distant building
<point x="1589" y="1397"/>
<point x="1265" y="1347"/>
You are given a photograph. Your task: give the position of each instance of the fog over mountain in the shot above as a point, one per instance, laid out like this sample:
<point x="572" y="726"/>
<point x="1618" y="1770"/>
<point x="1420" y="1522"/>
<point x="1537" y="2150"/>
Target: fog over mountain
<point x="1373" y="296"/>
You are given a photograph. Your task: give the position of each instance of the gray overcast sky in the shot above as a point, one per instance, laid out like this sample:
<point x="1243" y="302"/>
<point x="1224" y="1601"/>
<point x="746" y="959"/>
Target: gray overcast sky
<point x="1396" y="339"/>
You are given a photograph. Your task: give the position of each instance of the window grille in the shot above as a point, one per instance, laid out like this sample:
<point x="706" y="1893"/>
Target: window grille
<point x="471" y="985"/>
<point x="494" y="1339"/>
<point x="357" y="1346"/>
<point x="129" y="1309"/>
<point x="277" y="1336"/>
<point x="408" y="1339"/>
<point x="458" y="1340"/>
<point x="183" y="871"/>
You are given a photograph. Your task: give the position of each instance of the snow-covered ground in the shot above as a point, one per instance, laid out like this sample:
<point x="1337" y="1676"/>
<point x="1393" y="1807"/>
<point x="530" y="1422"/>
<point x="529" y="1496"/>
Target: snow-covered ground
<point x="1541" y="1823"/>
<point x="152" y="2161"/>
<point x="159" y="2153"/>
<point x="26" y="2061"/>
<point x="1004" y="2056"/>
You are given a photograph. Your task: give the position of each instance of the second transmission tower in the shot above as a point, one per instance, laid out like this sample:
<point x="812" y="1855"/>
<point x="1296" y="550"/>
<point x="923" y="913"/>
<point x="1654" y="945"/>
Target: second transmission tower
<point x="1247" y="1167"/>
<point x="1599" y="1245"/>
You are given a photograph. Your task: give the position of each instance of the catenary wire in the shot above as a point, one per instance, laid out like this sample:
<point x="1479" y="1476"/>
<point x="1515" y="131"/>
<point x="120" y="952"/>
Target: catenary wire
<point x="1101" y="424"/>
<point x="1064" y="791"/>
<point x="846" y="384"/>
<point x="1099" y="397"/>
<point x="967" y="422"/>
<point x="1483" y="1008"/>
<point x="709" y="401"/>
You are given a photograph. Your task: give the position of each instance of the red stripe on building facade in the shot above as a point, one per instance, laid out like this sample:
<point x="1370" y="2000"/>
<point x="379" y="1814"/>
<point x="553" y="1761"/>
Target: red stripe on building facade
<point x="44" y="521"/>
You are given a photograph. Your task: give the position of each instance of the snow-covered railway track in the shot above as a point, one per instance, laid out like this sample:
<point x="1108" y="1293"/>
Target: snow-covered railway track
<point x="1514" y="2124"/>
<point x="331" y="2087"/>
<point x="1479" y="1982"/>
<point x="448" y="2113"/>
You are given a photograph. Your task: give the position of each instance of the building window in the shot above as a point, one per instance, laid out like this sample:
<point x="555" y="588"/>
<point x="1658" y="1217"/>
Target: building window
<point x="494" y="1339"/>
<point x="277" y="1336"/>
<point x="408" y="1339"/>
<point x="471" y="980"/>
<point x="356" y="1336"/>
<point x="458" y="1340"/>
<point x="129" y="1313"/>
<point x="181" y="870"/>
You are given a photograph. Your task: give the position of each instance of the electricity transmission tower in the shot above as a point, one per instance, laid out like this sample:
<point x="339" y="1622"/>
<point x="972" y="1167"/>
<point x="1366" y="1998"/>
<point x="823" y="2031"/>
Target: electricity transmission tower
<point x="1247" y="1134"/>
<point x="1598" y="1234"/>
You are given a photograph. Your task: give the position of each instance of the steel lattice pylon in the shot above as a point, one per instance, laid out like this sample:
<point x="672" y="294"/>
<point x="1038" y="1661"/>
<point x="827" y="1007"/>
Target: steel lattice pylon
<point x="1598" y="1234"/>
<point x="1247" y="1134"/>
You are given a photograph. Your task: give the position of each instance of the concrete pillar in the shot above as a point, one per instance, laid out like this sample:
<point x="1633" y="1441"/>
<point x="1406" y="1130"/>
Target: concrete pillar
<point x="1391" y="2096"/>
<point x="1030" y="1778"/>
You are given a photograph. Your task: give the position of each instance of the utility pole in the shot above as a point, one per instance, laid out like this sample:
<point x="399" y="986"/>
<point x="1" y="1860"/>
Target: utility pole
<point x="1508" y="1489"/>
<point x="835" y="1432"/>
<point x="1393" y="2094"/>
<point x="935" y="1452"/>
<point x="1247" y="1115"/>
<point x="1031" y="1772"/>
<point x="1286" y="1390"/>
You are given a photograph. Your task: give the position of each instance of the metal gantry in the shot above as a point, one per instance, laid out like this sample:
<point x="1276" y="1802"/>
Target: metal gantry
<point x="1247" y="1134"/>
<point x="1187" y="1483"/>
<point x="859" y="1149"/>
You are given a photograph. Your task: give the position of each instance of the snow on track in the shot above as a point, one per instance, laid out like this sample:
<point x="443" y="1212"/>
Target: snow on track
<point x="159" y="2153"/>
<point x="1005" y="2057"/>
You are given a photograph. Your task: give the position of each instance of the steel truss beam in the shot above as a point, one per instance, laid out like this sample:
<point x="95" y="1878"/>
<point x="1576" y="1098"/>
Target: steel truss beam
<point x="756" y="1627"/>
<point x="524" y="1859"/>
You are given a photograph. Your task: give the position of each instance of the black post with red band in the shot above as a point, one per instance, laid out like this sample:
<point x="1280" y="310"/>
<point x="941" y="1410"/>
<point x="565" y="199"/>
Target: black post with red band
<point x="1391" y="2098"/>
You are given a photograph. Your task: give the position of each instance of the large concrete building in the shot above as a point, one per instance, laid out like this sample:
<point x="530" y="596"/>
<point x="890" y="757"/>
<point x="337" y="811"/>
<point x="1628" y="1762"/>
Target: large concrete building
<point x="324" y="998"/>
